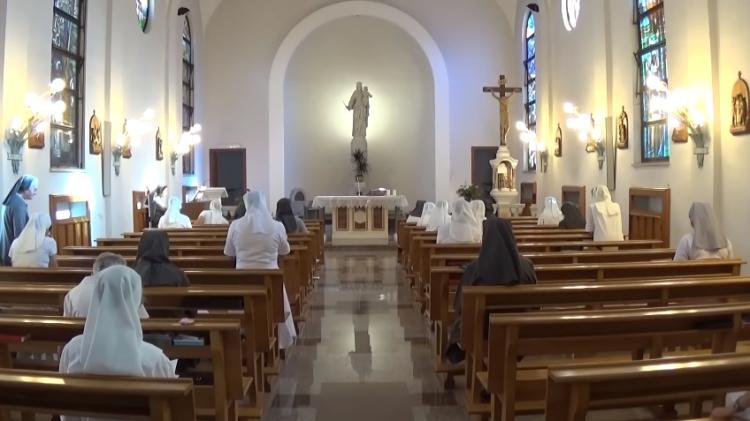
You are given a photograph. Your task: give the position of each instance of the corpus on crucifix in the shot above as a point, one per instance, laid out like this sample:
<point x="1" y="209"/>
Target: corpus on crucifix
<point x="499" y="93"/>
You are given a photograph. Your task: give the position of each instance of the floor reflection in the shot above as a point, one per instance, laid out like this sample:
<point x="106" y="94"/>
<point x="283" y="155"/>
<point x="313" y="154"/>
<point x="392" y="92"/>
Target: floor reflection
<point x="364" y="351"/>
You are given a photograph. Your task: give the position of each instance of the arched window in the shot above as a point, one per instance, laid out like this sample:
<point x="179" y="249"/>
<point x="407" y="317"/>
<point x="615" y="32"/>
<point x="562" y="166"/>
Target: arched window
<point x="530" y="96"/>
<point x="68" y="51"/>
<point x="188" y="93"/>
<point x="652" y="64"/>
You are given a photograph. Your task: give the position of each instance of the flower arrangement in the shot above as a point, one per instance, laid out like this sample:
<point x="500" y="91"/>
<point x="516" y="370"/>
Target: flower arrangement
<point x="469" y="192"/>
<point x="361" y="165"/>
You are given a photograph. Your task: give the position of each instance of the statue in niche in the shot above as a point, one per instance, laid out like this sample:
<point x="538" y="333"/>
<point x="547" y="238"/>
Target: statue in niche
<point x="558" y="142"/>
<point x="159" y="145"/>
<point x="95" y="135"/>
<point x="359" y="102"/>
<point x="740" y="118"/>
<point x="623" y="130"/>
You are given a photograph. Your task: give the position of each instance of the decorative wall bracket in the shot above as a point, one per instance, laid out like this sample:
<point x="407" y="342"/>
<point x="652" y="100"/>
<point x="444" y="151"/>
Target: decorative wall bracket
<point x="543" y="159"/>
<point x="701" y="149"/>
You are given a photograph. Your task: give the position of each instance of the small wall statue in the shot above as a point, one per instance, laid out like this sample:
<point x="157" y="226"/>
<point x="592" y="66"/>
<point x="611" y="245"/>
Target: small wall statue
<point x="623" y="130"/>
<point x="95" y="135"/>
<point x="740" y="96"/>
<point x="159" y="145"/>
<point x="558" y="141"/>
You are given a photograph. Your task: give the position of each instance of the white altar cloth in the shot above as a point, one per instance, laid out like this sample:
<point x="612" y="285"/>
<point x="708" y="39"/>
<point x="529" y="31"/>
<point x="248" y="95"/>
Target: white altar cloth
<point x="388" y="202"/>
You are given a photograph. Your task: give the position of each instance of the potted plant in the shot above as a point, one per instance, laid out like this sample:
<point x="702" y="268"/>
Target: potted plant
<point x="469" y="192"/>
<point x="361" y="168"/>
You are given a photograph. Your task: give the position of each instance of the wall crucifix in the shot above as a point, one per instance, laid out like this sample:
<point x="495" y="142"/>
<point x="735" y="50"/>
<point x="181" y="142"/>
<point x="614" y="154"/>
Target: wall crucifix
<point x="502" y="94"/>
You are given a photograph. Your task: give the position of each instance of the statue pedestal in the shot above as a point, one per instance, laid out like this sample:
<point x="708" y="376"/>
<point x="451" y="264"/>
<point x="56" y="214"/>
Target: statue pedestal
<point x="504" y="184"/>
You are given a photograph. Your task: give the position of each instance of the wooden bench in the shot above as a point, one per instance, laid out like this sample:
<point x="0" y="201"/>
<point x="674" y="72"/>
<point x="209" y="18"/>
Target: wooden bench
<point x="479" y="302"/>
<point x="148" y="399"/>
<point x="573" y="391"/>
<point x="222" y="347"/>
<point x="621" y="334"/>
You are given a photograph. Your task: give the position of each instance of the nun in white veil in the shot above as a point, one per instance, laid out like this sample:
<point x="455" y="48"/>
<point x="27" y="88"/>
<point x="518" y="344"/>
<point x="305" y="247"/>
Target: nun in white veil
<point x="440" y="216"/>
<point x="551" y="215"/>
<point x="462" y="227"/>
<point x="213" y="215"/>
<point x="707" y="241"/>
<point x="34" y="248"/>
<point x="603" y="216"/>
<point x="112" y="341"/>
<point x="173" y="218"/>
<point x="427" y="210"/>
<point x="256" y="241"/>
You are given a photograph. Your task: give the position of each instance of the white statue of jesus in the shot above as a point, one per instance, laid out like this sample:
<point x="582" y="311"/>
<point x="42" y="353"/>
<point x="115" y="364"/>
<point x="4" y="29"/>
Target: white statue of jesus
<point x="360" y="104"/>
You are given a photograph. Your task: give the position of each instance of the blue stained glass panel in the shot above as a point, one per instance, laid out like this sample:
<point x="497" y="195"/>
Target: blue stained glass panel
<point x="655" y="142"/>
<point x="644" y="5"/>
<point x="530" y="26"/>
<point x="530" y="47"/>
<point x="64" y="34"/>
<point x="531" y="92"/>
<point x="651" y="28"/>
<point x="531" y="69"/>
<point x="70" y="7"/>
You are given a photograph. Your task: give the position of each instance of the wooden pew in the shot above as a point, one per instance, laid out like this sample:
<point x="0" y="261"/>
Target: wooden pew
<point x="520" y="387"/>
<point x="573" y="390"/>
<point x="179" y="241"/>
<point x="33" y="392"/>
<point x="190" y="262"/>
<point x="223" y="348"/>
<point x="479" y="302"/>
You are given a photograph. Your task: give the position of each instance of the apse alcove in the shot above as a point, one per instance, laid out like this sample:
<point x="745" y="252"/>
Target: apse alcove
<point x="320" y="79"/>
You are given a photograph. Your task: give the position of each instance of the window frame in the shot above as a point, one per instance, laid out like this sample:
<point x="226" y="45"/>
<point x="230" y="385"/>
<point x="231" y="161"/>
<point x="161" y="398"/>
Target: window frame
<point x="638" y="16"/>
<point x="188" y="106"/>
<point x="528" y="83"/>
<point x="78" y="126"/>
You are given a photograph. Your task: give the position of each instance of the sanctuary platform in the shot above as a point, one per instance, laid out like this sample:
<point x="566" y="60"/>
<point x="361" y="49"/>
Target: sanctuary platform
<point x="360" y="220"/>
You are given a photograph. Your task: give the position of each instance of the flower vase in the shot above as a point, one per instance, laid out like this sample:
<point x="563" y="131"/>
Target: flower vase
<point x="700" y="146"/>
<point x="359" y="184"/>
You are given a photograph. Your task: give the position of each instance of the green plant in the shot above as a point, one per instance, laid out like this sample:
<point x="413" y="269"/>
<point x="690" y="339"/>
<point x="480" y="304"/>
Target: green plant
<point x="361" y="166"/>
<point x="469" y="192"/>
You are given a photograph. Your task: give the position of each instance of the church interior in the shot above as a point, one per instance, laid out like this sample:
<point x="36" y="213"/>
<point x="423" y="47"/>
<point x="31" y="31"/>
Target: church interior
<point x="374" y="210"/>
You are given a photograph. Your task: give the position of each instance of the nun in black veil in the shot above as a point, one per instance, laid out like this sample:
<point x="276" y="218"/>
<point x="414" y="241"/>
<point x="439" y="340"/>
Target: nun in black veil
<point x="16" y="212"/>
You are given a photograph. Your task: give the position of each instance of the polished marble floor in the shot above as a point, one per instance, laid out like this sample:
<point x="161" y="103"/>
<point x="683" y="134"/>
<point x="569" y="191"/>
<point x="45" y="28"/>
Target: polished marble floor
<point x="364" y="352"/>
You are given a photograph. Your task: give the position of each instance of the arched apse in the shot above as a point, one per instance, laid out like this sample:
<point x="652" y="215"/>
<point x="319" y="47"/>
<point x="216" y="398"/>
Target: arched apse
<point x="324" y="16"/>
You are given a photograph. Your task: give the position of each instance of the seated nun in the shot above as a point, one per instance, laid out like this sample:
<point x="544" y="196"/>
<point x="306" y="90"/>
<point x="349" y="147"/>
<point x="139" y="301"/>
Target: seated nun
<point x="572" y="218"/>
<point x="256" y="241"/>
<point x="737" y="407"/>
<point x="173" y="218"/>
<point x="152" y="262"/>
<point x="604" y="217"/>
<point x="426" y="213"/>
<point x="285" y="214"/>
<point x="78" y="300"/>
<point x="34" y="247"/>
<point x="112" y="341"/>
<point x="479" y="209"/>
<point x="157" y="205"/>
<point x="499" y="263"/>
<point x="551" y="215"/>
<point x="707" y="241"/>
<point x="463" y="226"/>
<point x="213" y="215"/>
<point x="416" y="214"/>
<point x="439" y="216"/>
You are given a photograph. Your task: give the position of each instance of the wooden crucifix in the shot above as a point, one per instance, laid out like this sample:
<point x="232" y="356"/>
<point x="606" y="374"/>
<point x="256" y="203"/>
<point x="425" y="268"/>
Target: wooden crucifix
<point x="499" y="93"/>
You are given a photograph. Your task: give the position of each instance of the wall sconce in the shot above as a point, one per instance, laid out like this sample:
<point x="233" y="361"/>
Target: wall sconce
<point x="187" y="140"/>
<point x="529" y="137"/>
<point x="585" y="125"/>
<point x="684" y="112"/>
<point x="132" y="133"/>
<point x="40" y="110"/>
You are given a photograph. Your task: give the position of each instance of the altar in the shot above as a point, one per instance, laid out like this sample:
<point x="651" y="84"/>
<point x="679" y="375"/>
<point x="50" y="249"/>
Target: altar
<point x="360" y="220"/>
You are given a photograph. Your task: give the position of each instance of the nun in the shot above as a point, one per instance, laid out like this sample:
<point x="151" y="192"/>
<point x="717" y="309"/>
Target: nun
<point x="572" y="218"/>
<point x="604" y="217"/>
<point x="426" y="213"/>
<point x="34" y="248"/>
<point x="499" y="263"/>
<point x="112" y="340"/>
<point x="463" y="226"/>
<point x="157" y="205"/>
<point x="416" y="214"/>
<point x="551" y="215"/>
<point x="173" y="218"/>
<point x="439" y="216"/>
<point x="285" y="214"/>
<point x="480" y="210"/>
<point x="707" y="241"/>
<point x="256" y="241"/>
<point x="153" y="265"/>
<point x="213" y="215"/>
<point x="16" y="212"/>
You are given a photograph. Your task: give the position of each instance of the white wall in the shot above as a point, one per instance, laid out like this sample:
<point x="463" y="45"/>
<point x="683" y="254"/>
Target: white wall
<point x="127" y="71"/>
<point x="472" y="37"/>
<point x="322" y="75"/>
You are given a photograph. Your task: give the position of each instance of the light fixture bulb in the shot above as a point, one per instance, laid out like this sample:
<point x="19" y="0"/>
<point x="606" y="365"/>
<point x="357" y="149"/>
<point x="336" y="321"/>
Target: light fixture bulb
<point x="654" y="83"/>
<point x="521" y="126"/>
<point x="569" y="108"/>
<point x="149" y="114"/>
<point x="16" y="123"/>
<point x="56" y="85"/>
<point x="583" y="136"/>
<point x="197" y="128"/>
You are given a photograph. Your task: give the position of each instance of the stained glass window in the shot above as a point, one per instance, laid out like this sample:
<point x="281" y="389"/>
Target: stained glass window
<point x="652" y="64"/>
<point x="188" y="93"/>
<point x="68" y="46"/>
<point x="530" y="97"/>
